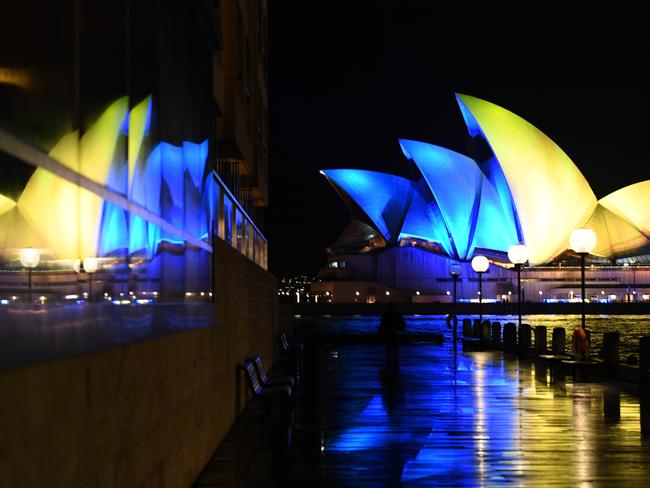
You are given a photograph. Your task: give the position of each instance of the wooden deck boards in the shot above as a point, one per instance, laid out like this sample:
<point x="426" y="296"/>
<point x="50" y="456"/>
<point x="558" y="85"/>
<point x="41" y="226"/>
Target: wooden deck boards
<point x="434" y="418"/>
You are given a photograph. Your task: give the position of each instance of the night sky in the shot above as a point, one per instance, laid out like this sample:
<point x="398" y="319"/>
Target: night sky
<point x="351" y="77"/>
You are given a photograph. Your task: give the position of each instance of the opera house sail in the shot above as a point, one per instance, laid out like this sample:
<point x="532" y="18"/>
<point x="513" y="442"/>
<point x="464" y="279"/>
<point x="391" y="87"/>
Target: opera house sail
<point x="526" y="190"/>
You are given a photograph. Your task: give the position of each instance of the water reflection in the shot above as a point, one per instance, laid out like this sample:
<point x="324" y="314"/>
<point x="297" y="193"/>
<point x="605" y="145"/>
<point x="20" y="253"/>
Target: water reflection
<point x="477" y="419"/>
<point x="45" y="333"/>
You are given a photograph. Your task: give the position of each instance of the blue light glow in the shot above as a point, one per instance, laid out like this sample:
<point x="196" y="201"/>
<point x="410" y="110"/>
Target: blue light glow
<point x="383" y="197"/>
<point x="492" y="230"/>
<point x="372" y="429"/>
<point x="472" y="124"/>
<point x="194" y="159"/>
<point x="455" y="181"/>
<point x="160" y="186"/>
<point x="472" y="418"/>
<point x="492" y="169"/>
<point x="423" y="221"/>
<point x="113" y="234"/>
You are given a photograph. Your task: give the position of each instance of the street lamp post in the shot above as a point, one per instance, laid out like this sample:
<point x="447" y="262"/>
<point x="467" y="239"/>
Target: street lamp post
<point x="29" y="258"/>
<point x="90" y="266"/>
<point x="480" y="264"/>
<point x="582" y="241"/>
<point x="518" y="255"/>
<point x="455" y="270"/>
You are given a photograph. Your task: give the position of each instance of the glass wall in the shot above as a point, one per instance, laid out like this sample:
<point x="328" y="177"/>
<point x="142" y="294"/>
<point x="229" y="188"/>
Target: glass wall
<point x="118" y="97"/>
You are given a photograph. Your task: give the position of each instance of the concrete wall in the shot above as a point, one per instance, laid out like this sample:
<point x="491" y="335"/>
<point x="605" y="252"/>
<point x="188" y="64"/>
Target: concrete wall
<point x="148" y="414"/>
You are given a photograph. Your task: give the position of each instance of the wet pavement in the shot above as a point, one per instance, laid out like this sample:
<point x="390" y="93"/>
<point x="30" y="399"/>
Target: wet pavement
<point x="435" y="417"/>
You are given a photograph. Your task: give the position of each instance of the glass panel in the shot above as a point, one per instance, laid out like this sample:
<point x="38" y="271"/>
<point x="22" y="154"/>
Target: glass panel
<point x="239" y="222"/>
<point x="249" y="240"/>
<point x="228" y="219"/>
<point x="111" y="109"/>
<point x="221" y="225"/>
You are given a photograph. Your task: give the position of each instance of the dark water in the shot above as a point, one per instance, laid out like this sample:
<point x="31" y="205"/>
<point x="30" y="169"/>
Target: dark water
<point x="630" y="327"/>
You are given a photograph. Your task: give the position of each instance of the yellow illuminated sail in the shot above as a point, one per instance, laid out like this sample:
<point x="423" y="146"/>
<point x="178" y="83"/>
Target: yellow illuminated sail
<point x="615" y="237"/>
<point x="138" y="124"/>
<point x="631" y="202"/>
<point x="65" y="215"/>
<point x="6" y="204"/>
<point x="15" y="233"/>
<point x="550" y="194"/>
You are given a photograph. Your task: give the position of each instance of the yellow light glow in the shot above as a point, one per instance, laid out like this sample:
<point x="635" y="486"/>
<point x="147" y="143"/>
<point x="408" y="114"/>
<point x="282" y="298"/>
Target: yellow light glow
<point x="60" y="215"/>
<point x="614" y="235"/>
<point x="551" y="195"/>
<point x="15" y="233"/>
<point x="137" y="127"/>
<point x="15" y="77"/>
<point x="6" y="204"/>
<point x="98" y="144"/>
<point x="631" y="203"/>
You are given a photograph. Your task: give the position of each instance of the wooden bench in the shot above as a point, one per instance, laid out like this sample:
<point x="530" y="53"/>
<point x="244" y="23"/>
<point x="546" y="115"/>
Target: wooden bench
<point x="263" y="377"/>
<point x="289" y="347"/>
<point x="290" y="355"/>
<point x="269" y="396"/>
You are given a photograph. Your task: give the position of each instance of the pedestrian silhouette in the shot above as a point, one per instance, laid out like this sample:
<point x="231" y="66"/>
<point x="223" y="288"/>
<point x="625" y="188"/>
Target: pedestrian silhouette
<point x="391" y="324"/>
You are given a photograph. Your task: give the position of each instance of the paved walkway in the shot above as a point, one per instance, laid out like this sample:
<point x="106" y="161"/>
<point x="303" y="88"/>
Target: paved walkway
<point x="435" y="418"/>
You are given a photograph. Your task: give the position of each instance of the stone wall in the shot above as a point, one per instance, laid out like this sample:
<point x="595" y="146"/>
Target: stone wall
<point x="147" y="414"/>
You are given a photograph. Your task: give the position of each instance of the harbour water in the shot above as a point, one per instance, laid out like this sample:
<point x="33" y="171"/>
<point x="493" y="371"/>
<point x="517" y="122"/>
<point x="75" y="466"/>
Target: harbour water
<point x="630" y="327"/>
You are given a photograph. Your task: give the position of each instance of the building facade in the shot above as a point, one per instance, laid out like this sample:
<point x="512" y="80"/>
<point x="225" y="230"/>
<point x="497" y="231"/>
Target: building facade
<point x="134" y="155"/>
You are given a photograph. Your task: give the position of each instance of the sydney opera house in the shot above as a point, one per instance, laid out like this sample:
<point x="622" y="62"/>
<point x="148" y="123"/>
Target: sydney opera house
<point x="518" y="188"/>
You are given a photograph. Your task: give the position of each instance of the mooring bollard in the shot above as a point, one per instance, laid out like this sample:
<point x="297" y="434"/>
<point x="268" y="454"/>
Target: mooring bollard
<point x="496" y="333"/>
<point x="510" y="337"/>
<point x="525" y="338"/>
<point x="612" y="405"/>
<point x="559" y="340"/>
<point x="611" y="343"/>
<point x="644" y="411"/>
<point x="644" y="359"/>
<point x="467" y="327"/>
<point x="485" y="332"/>
<point x="540" y="339"/>
<point x="476" y="331"/>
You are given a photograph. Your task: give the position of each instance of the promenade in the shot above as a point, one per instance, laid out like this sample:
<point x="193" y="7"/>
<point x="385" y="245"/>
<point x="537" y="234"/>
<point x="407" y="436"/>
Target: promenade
<point x="435" y="417"/>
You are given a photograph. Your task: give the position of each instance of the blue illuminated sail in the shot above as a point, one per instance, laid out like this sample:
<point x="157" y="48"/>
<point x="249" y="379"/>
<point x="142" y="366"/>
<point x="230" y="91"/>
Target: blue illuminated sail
<point x="491" y="230"/>
<point x="493" y="171"/>
<point x="455" y="181"/>
<point x="424" y="221"/>
<point x="384" y="198"/>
